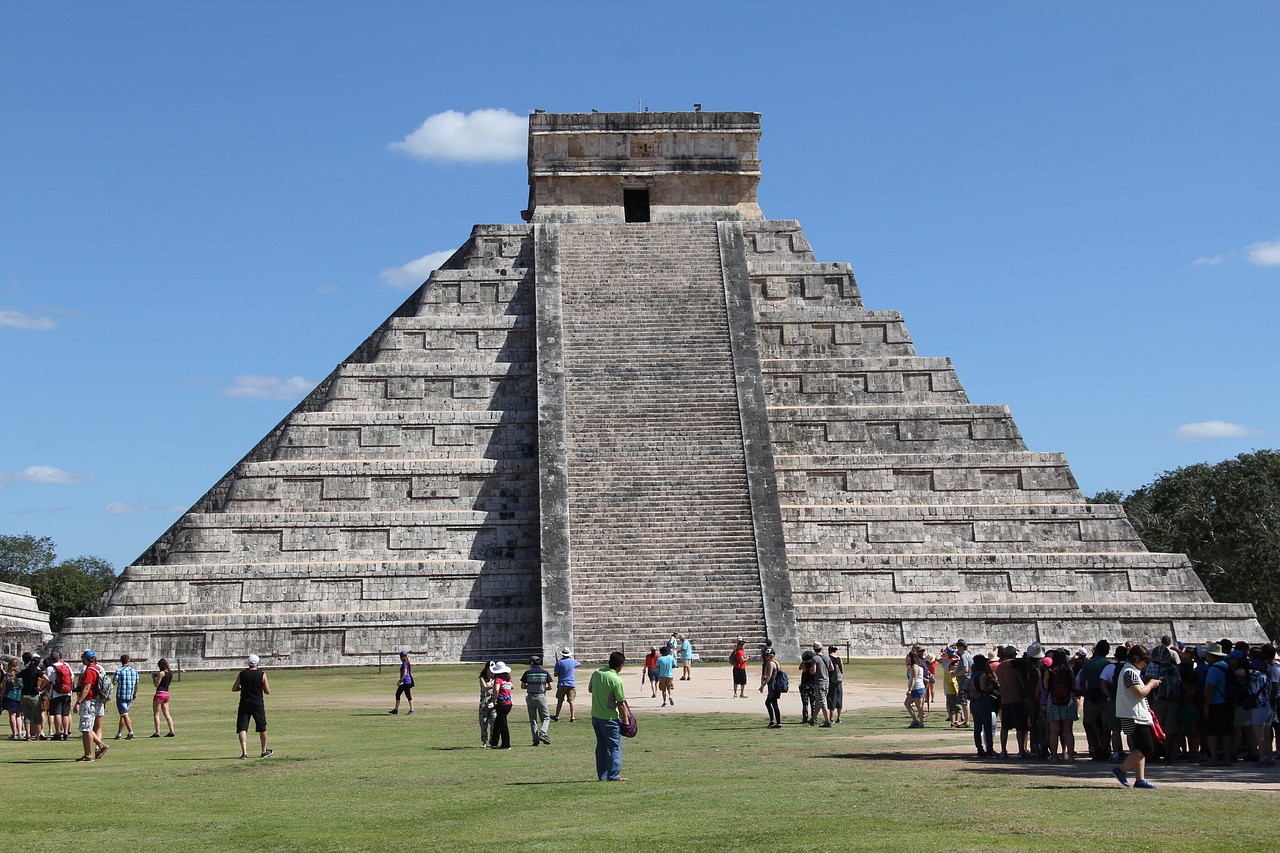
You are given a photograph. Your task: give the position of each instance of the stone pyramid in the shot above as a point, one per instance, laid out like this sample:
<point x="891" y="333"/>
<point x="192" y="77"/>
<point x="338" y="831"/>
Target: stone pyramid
<point x="23" y="625"/>
<point x="647" y="409"/>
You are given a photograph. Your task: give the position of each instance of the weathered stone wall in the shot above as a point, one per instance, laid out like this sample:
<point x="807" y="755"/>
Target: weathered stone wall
<point x="396" y="507"/>
<point x="23" y="625"/>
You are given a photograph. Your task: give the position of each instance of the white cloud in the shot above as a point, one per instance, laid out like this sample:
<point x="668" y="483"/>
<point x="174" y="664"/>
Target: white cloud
<point x="415" y="272"/>
<point x="1265" y="254"/>
<point x="119" y="508"/>
<point x="18" y="320"/>
<point x="1209" y="262"/>
<point x="44" y="475"/>
<point x="268" y="387"/>
<point x="1206" y="430"/>
<point x="482" y="136"/>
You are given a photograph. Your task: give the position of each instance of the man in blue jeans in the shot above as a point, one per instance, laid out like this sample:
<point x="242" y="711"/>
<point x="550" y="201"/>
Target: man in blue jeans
<point x="608" y="712"/>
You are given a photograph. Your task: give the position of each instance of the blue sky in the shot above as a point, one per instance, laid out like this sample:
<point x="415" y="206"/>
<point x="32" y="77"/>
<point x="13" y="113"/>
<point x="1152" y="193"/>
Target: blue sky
<point x="202" y="210"/>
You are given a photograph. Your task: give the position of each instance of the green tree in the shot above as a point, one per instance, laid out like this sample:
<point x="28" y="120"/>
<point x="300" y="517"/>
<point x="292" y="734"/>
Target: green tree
<point x="22" y="556"/>
<point x="1226" y="518"/>
<point x="62" y="588"/>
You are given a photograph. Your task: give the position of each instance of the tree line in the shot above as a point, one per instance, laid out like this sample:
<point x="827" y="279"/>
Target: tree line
<point x="1226" y="518"/>
<point x="62" y="587"/>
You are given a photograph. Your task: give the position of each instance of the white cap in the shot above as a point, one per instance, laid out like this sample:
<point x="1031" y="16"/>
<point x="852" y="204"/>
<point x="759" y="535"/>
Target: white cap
<point x="253" y="660"/>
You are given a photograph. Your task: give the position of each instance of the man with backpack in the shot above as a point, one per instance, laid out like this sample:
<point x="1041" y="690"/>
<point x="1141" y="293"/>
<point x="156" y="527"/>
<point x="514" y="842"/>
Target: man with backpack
<point x="61" y="686"/>
<point x="91" y="704"/>
<point x="1218" y="709"/>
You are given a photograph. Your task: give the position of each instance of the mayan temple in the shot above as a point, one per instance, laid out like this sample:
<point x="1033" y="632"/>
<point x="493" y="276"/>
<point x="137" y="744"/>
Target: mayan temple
<point x="647" y="408"/>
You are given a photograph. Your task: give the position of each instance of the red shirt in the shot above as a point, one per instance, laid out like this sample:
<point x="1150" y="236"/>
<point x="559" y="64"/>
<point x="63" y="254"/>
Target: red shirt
<point x="88" y="679"/>
<point x="740" y="659"/>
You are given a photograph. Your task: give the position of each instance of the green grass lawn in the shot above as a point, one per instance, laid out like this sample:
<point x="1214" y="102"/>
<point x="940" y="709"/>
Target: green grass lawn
<point x="347" y="776"/>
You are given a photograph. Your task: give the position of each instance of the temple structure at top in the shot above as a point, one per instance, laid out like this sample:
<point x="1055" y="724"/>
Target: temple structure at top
<point x="645" y="409"/>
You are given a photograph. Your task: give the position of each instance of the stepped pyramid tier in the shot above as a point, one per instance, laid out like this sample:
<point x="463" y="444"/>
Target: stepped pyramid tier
<point x="23" y="625"/>
<point x="649" y="409"/>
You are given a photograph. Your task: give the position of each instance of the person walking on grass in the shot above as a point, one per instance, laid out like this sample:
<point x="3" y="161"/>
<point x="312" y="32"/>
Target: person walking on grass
<point x="1135" y="718"/>
<point x="609" y="711"/>
<point x="738" y="658"/>
<point x="126" y="679"/>
<point x="536" y="681"/>
<point x="252" y="686"/>
<point x="404" y="687"/>
<point x="91" y="708"/>
<point x="821" y="666"/>
<point x="566" y="684"/>
<point x="161" y="678"/>
<point x="769" y="672"/>
<point x="61" y="687"/>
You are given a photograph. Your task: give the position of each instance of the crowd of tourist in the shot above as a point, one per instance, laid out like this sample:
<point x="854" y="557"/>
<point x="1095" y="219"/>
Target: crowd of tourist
<point x="1212" y="703"/>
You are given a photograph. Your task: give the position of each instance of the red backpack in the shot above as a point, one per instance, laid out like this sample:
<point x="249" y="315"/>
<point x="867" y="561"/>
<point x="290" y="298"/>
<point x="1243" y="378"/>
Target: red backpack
<point x="62" y="680"/>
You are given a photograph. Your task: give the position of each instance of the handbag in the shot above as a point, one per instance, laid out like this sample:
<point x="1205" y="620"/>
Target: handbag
<point x="1156" y="730"/>
<point x="631" y="726"/>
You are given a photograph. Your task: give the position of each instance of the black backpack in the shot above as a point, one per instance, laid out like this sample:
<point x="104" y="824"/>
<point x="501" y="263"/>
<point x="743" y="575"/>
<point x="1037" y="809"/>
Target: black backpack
<point x="781" y="682"/>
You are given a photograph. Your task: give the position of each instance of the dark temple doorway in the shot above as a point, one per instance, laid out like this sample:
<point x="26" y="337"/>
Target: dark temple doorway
<point x="635" y="205"/>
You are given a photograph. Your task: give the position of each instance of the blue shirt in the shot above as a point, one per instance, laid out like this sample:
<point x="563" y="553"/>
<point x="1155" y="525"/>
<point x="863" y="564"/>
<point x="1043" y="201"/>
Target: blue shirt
<point x="564" y="672"/>
<point x="666" y="664"/>
<point x="686" y="650"/>
<point x="126" y="683"/>
<point x="1217" y="677"/>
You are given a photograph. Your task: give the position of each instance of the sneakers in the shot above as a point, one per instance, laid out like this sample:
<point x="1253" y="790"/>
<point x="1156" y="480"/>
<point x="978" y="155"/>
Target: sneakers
<point x="825" y="726"/>
<point x="244" y="757"/>
<point x="673" y="701"/>
<point x="536" y="742"/>
<point x="544" y="739"/>
<point x="119" y="736"/>
<point x="266" y="753"/>
<point x="393" y="711"/>
<point x="100" y="751"/>
<point x="410" y="714"/>
<point x="1143" y="783"/>
<point x="554" y="718"/>
<point x="1121" y="776"/>
<point x="664" y="704"/>
<point x="157" y="734"/>
<point x="171" y="734"/>
<point x="129" y="736"/>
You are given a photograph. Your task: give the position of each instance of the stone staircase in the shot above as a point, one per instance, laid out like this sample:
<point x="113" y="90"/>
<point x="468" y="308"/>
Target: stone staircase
<point x="660" y="524"/>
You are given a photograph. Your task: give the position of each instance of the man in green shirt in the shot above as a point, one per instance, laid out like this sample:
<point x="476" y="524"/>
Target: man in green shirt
<point x="608" y="712"/>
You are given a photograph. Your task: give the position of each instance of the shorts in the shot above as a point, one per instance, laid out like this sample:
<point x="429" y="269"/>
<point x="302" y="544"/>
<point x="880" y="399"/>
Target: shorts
<point x="60" y="706"/>
<point x="1142" y="740"/>
<point x="258" y="713"/>
<point x="569" y="692"/>
<point x="835" y="696"/>
<point x="820" y="694"/>
<point x="1241" y="718"/>
<point x="1219" y="721"/>
<point x="918" y="693"/>
<point x="32" y="711"/>
<point x="1013" y="715"/>
<point x="686" y="661"/>
<point x="122" y="705"/>
<point x="1061" y="713"/>
<point x="953" y="703"/>
<point x="740" y="676"/>
<point x="653" y="675"/>
<point x="666" y="684"/>
<point x="1260" y="717"/>
<point x="90" y="711"/>
<point x="162" y="695"/>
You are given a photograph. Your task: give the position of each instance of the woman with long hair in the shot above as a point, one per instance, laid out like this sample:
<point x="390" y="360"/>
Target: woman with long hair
<point x="914" y="703"/>
<point x="650" y="671"/>
<point x="13" y="700"/>
<point x="161" y="678"/>
<point x="1060" y="709"/>
<point x="984" y="698"/>
<point x="769" y="682"/>
<point x="488" y="712"/>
